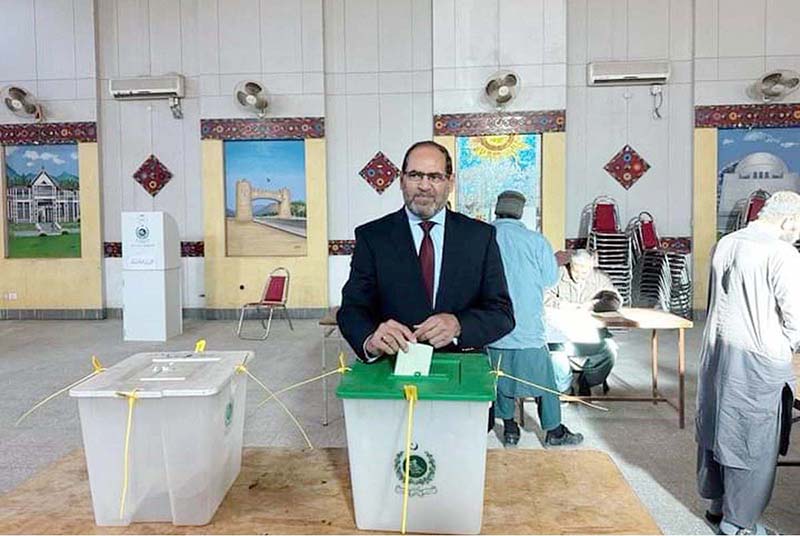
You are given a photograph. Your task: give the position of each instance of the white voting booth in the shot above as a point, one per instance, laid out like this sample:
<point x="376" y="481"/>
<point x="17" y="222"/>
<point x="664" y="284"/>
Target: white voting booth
<point x="151" y="277"/>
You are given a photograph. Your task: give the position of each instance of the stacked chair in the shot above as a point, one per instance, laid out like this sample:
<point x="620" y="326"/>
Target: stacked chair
<point x="750" y="210"/>
<point x="610" y="245"/>
<point x="660" y="277"/>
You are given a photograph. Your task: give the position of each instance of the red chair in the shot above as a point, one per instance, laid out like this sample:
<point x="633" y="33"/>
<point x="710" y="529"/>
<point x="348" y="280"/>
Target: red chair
<point x="755" y="202"/>
<point x="646" y="238"/>
<point x="275" y="295"/>
<point x="604" y="216"/>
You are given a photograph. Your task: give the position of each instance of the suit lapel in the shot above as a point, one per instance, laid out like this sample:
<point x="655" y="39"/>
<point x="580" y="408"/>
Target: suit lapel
<point x="449" y="261"/>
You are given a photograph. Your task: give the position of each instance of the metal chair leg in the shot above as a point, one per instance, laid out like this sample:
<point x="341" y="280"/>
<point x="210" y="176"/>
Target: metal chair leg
<point x="522" y="412"/>
<point x="241" y="319"/>
<point x="269" y="322"/>
<point x="288" y="318"/>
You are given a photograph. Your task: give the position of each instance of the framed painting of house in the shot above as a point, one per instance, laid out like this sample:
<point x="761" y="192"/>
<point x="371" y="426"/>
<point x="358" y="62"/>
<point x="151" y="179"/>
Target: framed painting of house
<point x="43" y="209"/>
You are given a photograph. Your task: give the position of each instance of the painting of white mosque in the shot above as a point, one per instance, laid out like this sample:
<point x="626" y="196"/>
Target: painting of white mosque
<point x="488" y="165"/>
<point x="42" y="201"/>
<point x="752" y="163"/>
<point x="265" y="198"/>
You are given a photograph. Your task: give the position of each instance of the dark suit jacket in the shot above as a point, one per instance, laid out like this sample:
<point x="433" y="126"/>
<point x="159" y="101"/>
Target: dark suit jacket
<point x="386" y="282"/>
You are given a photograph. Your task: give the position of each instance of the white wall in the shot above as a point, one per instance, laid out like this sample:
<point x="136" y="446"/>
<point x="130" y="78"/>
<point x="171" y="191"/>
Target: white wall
<point x="215" y="44"/>
<point x="378" y="82"/>
<point x="474" y="38"/>
<point x="49" y="49"/>
<point x="377" y="70"/>
<point x="601" y="120"/>
<point x="737" y="41"/>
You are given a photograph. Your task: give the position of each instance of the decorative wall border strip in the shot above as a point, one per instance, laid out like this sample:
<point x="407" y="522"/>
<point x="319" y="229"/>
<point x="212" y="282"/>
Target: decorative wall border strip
<point x="39" y="133"/>
<point x="674" y="244"/>
<point x="487" y="124"/>
<point x="193" y="249"/>
<point x="277" y="128"/>
<point x="188" y="249"/>
<point x="747" y="115"/>
<point x="575" y="243"/>
<point x="341" y="247"/>
<point x="112" y="250"/>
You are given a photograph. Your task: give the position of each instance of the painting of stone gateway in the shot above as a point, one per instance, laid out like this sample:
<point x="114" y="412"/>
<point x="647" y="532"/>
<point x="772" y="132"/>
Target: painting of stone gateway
<point x="265" y="198"/>
<point x="43" y="206"/>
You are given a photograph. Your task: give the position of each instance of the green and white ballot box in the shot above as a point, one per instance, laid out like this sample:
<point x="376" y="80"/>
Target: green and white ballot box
<point x="448" y="443"/>
<point x="162" y="434"/>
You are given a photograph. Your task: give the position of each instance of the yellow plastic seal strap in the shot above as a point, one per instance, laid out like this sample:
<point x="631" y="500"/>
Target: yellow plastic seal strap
<point x="242" y="369"/>
<point x="98" y="368"/>
<point x="132" y="397"/>
<point x="569" y="398"/>
<point x="343" y="368"/>
<point x="410" y="392"/>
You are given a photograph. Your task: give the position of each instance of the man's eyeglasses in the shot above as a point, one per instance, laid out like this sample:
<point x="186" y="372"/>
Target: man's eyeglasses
<point x="434" y="178"/>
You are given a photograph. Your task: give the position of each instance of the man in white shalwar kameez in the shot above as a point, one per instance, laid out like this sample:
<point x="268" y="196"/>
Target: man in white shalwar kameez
<point x="752" y="330"/>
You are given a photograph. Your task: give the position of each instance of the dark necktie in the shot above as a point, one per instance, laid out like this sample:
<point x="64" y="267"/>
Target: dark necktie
<point x="427" y="258"/>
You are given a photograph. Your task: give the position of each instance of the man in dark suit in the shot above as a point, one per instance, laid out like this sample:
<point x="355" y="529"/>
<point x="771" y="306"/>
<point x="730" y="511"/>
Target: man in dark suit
<point x="424" y="273"/>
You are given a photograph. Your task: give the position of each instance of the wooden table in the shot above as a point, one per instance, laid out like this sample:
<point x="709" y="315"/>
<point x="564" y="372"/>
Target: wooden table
<point x="636" y="318"/>
<point x="291" y="491"/>
<point x="330" y="331"/>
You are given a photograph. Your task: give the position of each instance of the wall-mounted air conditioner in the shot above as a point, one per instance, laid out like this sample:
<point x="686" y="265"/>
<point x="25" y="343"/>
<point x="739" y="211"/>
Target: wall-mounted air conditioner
<point x="150" y="87"/>
<point x="627" y="73"/>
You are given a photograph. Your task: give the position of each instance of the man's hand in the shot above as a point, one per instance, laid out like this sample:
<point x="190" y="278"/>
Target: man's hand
<point x="438" y="330"/>
<point x="389" y="338"/>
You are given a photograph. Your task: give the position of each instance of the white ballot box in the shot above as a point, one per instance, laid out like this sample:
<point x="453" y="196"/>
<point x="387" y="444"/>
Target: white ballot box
<point x="185" y="447"/>
<point x="448" y="458"/>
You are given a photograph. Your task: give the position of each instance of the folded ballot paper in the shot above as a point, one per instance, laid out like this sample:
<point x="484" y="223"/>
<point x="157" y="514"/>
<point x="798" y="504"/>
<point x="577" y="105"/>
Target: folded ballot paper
<point x="415" y="362"/>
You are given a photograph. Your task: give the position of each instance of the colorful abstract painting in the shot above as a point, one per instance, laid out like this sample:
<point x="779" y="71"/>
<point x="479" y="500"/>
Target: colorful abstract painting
<point x="265" y="198"/>
<point x="753" y="163"/>
<point x="43" y="201"/>
<point x="488" y="165"/>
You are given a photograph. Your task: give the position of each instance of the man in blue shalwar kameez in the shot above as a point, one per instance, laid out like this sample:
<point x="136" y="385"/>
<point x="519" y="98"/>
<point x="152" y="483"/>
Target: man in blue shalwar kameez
<point x="530" y="268"/>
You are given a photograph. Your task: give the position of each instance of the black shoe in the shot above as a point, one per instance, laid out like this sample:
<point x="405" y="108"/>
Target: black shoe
<point x="606" y="388"/>
<point x="583" y="387"/>
<point x="510" y="433"/>
<point x="714" y="519"/>
<point x="562" y="436"/>
<point x="491" y="419"/>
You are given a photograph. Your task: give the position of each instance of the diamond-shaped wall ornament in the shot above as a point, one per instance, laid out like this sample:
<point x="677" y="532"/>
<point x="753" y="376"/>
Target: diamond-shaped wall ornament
<point x="152" y="175"/>
<point x="627" y="167"/>
<point x="380" y="172"/>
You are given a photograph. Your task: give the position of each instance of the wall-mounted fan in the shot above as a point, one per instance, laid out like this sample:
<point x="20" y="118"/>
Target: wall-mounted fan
<point x="22" y="104"/>
<point x="774" y="85"/>
<point x="501" y="89"/>
<point x="252" y="97"/>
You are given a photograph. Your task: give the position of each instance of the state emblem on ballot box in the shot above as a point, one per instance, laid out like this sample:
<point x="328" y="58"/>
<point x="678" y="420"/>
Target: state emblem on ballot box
<point x="422" y="472"/>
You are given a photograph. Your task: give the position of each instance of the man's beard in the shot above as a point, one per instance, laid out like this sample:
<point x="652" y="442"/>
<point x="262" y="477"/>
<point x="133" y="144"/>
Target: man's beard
<point x="423" y="211"/>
